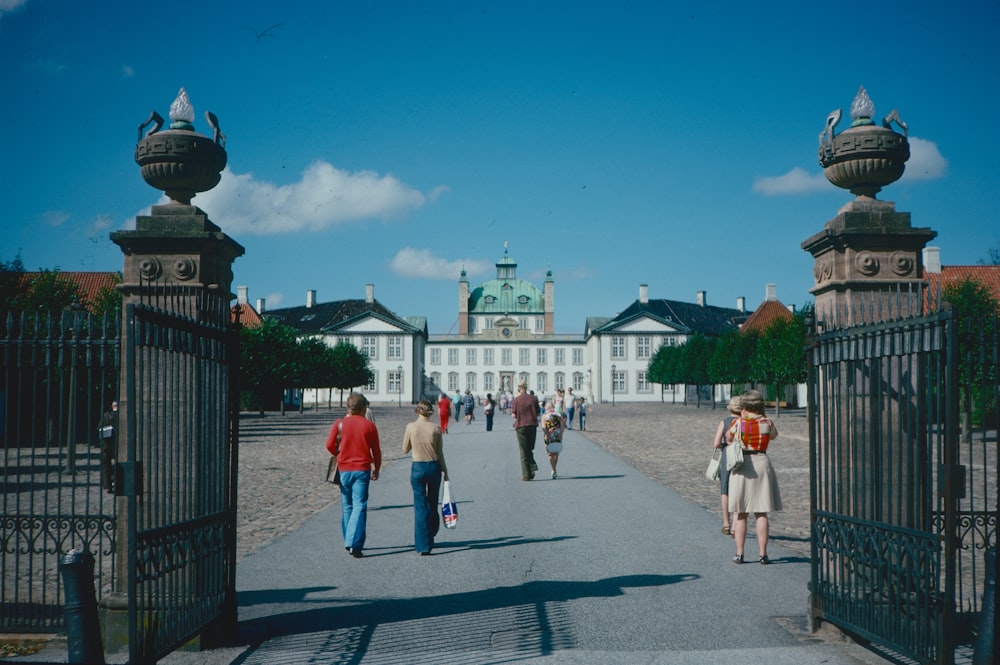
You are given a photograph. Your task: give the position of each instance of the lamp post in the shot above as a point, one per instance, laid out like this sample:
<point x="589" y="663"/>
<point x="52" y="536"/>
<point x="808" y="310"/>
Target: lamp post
<point x="614" y="368"/>
<point x="399" y="380"/>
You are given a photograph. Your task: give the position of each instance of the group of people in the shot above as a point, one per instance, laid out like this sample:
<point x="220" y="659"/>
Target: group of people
<point x="753" y="486"/>
<point x="354" y="441"/>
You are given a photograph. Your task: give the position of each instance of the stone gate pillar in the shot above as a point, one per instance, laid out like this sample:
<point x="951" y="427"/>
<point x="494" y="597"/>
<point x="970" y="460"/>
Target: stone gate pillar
<point x="180" y="262"/>
<point x="869" y="254"/>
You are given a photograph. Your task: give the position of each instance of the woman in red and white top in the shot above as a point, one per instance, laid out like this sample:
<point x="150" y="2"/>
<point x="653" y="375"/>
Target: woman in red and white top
<point x="753" y="488"/>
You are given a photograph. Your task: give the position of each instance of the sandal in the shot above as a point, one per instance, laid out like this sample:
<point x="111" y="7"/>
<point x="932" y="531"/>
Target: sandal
<point x="738" y="558"/>
<point x="764" y="560"/>
<point x="726" y="531"/>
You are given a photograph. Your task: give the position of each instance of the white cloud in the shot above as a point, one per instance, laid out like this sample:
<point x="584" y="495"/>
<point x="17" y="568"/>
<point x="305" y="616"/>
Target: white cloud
<point x="54" y="218"/>
<point x="796" y="181"/>
<point x="325" y="196"/>
<point x="7" y="6"/>
<point x="926" y="161"/>
<point x="410" y="262"/>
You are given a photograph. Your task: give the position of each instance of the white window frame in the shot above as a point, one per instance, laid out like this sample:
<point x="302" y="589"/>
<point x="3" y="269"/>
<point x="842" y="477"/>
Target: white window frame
<point x="524" y="356"/>
<point x="559" y="356"/>
<point x="395" y="347"/>
<point x="577" y="356"/>
<point x="541" y="356"/>
<point x="470" y="381"/>
<point x="643" y="346"/>
<point x="369" y="346"/>
<point x="452" y="356"/>
<point x="435" y="356"/>
<point x="642" y="384"/>
<point x="618" y="347"/>
<point x="488" y="356"/>
<point x="470" y="356"/>
<point x="506" y="357"/>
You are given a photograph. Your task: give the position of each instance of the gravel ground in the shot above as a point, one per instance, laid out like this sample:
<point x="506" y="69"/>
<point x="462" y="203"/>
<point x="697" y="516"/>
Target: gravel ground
<point x="283" y="461"/>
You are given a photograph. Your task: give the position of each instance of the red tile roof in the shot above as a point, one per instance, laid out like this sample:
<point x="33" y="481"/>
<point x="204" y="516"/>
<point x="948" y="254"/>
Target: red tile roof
<point x="90" y="283"/>
<point x="988" y="276"/>
<point x="762" y="317"/>
<point x="248" y="315"/>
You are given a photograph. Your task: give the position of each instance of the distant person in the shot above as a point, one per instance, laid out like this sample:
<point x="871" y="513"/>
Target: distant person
<point x="488" y="410"/>
<point x="719" y="442"/>
<point x="109" y="441"/>
<point x="581" y="411"/>
<point x="444" y="412"/>
<point x="457" y="401"/>
<point x="354" y="441"/>
<point x="570" y="407"/>
<point x="753" y="488"/>
<point x="423" y="438"/>
<point x="525" y="411"/>
<point x="552" y="432"/>
<point x="469" y="405"/>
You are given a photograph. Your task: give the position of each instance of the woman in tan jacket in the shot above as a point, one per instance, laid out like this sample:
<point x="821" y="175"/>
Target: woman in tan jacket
<point x="424" y="439"/>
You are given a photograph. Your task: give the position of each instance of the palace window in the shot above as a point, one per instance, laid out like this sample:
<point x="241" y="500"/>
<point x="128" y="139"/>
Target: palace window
<point x="642" y="345"/>
<point x="452" y="381"/>
<point x="488" y="357"/>
<point x="435" y="356"/>
<point x="542" y="383"/>
<point x="506" y="357"/>
<point x="470" y="356"/>
<point x="642" y="384"/>
<point x="369" y="347"/>
<point x="618" y="347"/>
<point x="577" y="356"/>
<point x="488" y="382"/>
<point x="560" y="358"/>
<point x="452" y="356"/>
<point x="395" y="348"/>
<point x="524" y="356"/>
<point x="470" y="381"/>
<point x="560" y="381"/>
<point x="542" y="356"/>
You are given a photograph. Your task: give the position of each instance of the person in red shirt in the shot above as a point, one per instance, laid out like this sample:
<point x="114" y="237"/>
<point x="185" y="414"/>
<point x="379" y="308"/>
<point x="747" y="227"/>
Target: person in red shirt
<point x="444" y="412"/>
<point x="354" y="441"/>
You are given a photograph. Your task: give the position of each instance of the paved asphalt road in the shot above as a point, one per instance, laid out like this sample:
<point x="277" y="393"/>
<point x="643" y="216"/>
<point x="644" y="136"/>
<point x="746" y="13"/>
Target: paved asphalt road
<point x="602" y="565"/>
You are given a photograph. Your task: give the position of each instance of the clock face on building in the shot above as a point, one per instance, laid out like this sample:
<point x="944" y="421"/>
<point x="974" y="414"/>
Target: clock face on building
<point x="505" y="332"/>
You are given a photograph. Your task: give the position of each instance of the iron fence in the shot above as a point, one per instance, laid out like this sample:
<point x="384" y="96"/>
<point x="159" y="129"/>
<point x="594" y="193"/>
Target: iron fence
<point x="59" y="375"/>
<point x="903" y="436"/>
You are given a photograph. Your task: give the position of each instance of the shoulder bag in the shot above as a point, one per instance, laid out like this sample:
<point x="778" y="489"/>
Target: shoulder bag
<point x="332" y="472"/>
<point x="734" y="453"/>
<point x="712" y="472"/>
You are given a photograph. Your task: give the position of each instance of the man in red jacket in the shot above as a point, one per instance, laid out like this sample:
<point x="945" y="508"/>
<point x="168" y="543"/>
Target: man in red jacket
<point x="354" y="441"/>
<point x="525" y="411"/>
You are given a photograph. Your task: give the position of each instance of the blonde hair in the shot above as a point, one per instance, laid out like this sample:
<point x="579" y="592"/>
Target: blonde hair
<point x="735" y="405"/>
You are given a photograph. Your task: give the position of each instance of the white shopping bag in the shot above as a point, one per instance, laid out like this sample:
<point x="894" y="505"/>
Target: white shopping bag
<point x="449" y="511"/>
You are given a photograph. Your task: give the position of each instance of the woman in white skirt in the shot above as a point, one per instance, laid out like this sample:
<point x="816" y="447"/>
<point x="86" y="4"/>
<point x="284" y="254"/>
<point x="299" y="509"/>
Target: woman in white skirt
<point x="753" y="488"/>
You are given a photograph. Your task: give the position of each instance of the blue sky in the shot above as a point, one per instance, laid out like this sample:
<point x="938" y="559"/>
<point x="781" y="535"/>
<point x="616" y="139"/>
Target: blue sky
<point x="615" y="143"/>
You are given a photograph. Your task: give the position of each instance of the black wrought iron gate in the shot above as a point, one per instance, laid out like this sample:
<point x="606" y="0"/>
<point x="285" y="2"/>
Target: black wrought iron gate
<point x="904" y="480"/>
<point x="179" y="475"/>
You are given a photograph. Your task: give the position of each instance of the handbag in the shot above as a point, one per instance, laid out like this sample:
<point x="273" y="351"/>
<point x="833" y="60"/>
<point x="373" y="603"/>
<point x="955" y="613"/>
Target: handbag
<point x="734" y="453"/>
<point x="332" y="472"/>
<point x="712" y="472"/>
<point x="449" y="510"/>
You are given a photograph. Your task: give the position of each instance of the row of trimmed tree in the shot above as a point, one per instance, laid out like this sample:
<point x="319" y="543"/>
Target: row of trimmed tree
<point x="775" y="358"/>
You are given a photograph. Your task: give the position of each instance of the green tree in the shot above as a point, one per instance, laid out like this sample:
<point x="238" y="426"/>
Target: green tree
<point x="267" y="363"/>
<point x="350" y="368"/>
<point x="730" y="362"/>
<point x="974" y="311"/>
<point x="780" y="357"/>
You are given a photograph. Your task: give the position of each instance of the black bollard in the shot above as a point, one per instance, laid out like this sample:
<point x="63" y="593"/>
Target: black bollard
<point x="984" y="641"/>
<point x="83" y="629"/>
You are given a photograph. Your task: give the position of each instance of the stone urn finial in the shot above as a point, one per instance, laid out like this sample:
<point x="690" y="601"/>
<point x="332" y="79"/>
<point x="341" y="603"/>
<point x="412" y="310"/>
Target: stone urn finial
<point x="863" y="158"/>
<point x="180" y="161"/>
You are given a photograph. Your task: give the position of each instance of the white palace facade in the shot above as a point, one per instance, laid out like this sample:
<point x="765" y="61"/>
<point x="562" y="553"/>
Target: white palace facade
<point x="505" y="336"/>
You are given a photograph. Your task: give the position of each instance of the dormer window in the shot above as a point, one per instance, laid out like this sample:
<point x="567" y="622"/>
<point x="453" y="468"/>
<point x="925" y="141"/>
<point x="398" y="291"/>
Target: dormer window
<point x="522" y="300"/>
<point x="490" y="300"/>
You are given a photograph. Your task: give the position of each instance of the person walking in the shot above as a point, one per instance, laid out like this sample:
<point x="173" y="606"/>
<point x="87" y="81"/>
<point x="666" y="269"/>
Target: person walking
<point x="525" y="411"/>
<point x="424" y="439"/>
<point x="444" y="412"/>
<point x="354" y="441"/>
<point x="457" y="401"/>
<point x="469" y="405"/>
<point x="489" y="408"/>
<point x="581" y="410"/>
<point x="552" y="432"/>
<point x="753" y="488"/>
<point x="109" y="445"/>
<point x="570" y="407"/>
<point x="719" y="442"/>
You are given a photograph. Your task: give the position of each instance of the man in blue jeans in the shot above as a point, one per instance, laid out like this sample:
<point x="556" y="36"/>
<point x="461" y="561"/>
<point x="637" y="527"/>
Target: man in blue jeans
<point x="354" y="441"/>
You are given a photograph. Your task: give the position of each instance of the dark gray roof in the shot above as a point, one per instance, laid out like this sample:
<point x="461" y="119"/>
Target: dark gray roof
<point x="328" y="317"/>
<point x="684" y="316"/>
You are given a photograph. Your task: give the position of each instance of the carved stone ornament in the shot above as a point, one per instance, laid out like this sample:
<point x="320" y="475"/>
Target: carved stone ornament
<point x="180" y="161"/>
<point x="863" y="158"/>
<point x="150" y="268"/>
<point x="823" y="270"/>
<point x="902" y="263"/>
<point x="184" y="269"/>
<point x="867" y="263"/>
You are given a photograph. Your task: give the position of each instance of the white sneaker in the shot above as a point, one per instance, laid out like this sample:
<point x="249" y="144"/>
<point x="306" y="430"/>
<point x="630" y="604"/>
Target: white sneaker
<point x="554" y="476"/>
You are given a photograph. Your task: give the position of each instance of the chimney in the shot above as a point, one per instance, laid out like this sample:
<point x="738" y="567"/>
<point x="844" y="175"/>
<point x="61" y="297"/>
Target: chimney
<point x="242" y="293"/>
<point x="370" y="294"/>
<point x="771" y="292"/>
<point x="311" y="298"/>
<point x="702" y="301"/>
<point x="260" y="305"/>
<point x="643" y="293"/>
<point x="932" y="260"/>
<point x="741" y="304"/>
